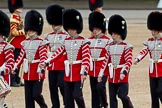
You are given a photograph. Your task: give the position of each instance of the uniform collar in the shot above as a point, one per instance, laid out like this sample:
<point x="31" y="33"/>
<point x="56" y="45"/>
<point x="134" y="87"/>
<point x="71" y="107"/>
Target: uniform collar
<point x="117" y="42"/>
<point x="74" y="37"/>
<point x="58" y="31"/>
<point x="157" y="38"/>
<point x="33" y="37"/>
<point x="99" y="36"/>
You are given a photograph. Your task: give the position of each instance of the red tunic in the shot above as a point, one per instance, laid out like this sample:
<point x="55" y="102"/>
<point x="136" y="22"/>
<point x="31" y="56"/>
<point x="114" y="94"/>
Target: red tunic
<point x="98" y="54"/>
<point x="35" y="51"/>
<point x="56" y="40"/>
<point x="120" y="56"/>
<point x="6" y="59"/>
<point x="154" y="48"/>
<point x="17" y="32"/>
<point x="78" y="55"/>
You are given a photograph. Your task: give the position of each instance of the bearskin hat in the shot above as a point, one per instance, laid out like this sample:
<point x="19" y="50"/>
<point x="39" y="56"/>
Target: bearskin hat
<point x="97" y="19"/>
<point x="93" y="4"/>
<point x="4" y="24"/>
<point x="54" y="14"/>
<point x="154" y="21"/>
<point x="72" y="19"/>
<point x="34" y="21"/>
<point x="14" y="4"/>
<point x="117" y="24"/>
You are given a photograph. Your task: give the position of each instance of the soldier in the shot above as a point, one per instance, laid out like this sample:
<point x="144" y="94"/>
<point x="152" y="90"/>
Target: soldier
<point x="119" y="62"/>
<point x="6" y="56"/>
<point x="96" y="5"/>
<point x="56" y="39"/>
<point x="98" y="41"/>
<point x="153" y="46"/>
<point x="77" y="59"/>
<point x="17" y="34"/>
<point x="33" y="53"/>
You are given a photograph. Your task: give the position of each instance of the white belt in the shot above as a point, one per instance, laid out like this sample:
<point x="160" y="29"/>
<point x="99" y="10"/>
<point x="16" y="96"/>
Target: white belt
<point x="75" y="62"/>
<point x="35" y="61"/>
<point x="67" y="64"/>
<point x="26" y="64"/>
<point x="112" y="67"/>
<point x="95" y="59"/>
<point x="98" y="59"/>
<point x="151" y="62"/>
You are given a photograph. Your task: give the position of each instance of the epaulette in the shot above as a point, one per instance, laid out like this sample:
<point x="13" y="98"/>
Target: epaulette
<point x="9" y="46"/>
<point x="86" y="41"/>
<point x="44" y="42"/>
<point x="129" y="46"/>
<point x="46" y="35"/>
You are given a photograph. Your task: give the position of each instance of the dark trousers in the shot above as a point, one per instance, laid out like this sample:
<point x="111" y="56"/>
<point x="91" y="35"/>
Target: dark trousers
<point x="56" y="80"/>
<point x="98" y="90"/>
<point x="33" y="90"/>
<point x="156" y="91"/>
<point x="15" y="77"/>
<point x="122" y="91"/>
<point x="73" y="91"/>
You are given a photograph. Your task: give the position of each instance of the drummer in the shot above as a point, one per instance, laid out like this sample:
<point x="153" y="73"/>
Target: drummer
<point x="6" y="57"/>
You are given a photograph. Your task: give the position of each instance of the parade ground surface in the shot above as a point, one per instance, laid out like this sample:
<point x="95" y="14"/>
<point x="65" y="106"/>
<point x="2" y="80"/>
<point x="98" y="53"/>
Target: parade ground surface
<point x="138" y="80"/>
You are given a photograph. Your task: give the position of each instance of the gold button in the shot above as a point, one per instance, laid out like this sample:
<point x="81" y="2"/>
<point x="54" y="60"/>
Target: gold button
<point x="114" y="66"/>
<point x="94" y="59"/>
<point x="71" y="62"/>
<point x="30" y="62"/>
<point x="156" y="61"/>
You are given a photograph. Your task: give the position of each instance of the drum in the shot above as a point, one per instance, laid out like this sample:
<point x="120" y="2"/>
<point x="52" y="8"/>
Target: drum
<point x="4" y="87"/>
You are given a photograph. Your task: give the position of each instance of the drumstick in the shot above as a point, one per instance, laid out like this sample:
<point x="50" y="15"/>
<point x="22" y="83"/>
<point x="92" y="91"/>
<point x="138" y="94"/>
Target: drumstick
<point x="81" y="86"/>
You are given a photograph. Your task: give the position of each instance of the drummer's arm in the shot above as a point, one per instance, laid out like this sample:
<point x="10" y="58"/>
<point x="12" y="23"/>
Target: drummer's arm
<point x="9" y="58"/>
<point x="59" y="51"/>
<point x="20" y="58"/>
<point x="85" y="58"/>
<point x="142" y="54"/>
<point x="104" y="64"/>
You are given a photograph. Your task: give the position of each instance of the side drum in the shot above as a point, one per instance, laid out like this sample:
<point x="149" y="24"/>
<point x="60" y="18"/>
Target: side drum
<point x="4" y="87"/>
